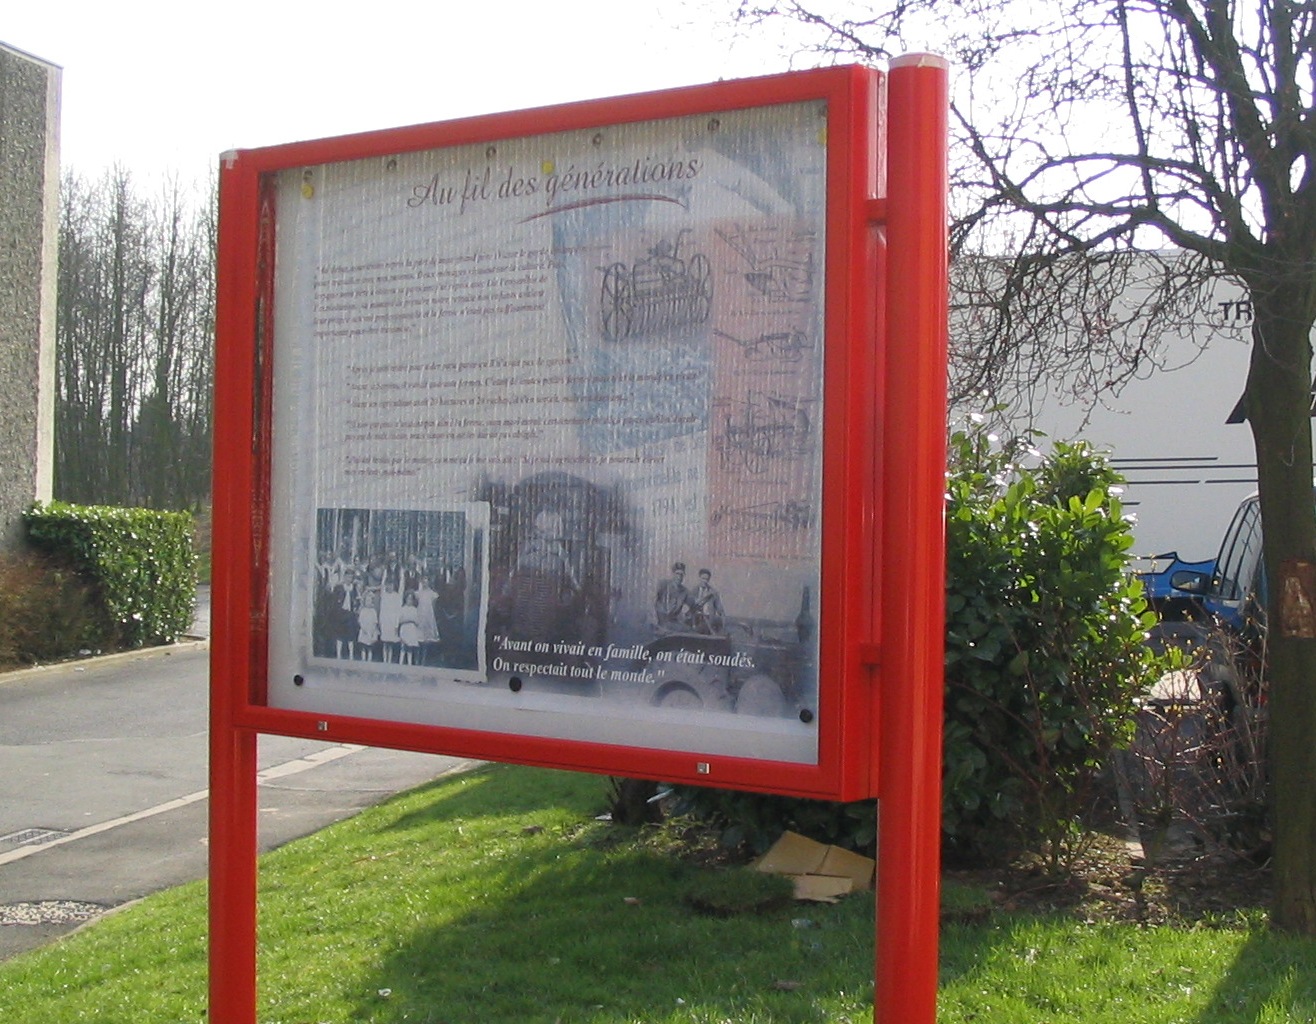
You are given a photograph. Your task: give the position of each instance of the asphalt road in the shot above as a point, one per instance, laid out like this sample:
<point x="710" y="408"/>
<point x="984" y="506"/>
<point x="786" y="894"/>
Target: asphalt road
<point x="103" y="773"/>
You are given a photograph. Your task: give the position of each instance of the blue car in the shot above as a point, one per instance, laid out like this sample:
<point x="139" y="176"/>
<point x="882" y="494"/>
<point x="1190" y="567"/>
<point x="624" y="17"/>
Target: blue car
<point x="1170" y="603"/>
<point x="1232" y="591"/>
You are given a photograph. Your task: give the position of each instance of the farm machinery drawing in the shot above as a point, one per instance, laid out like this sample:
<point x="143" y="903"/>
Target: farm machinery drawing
<point x="768" y="516"/>
<point x="671" y="288"/>
<point x="780" y="265"/>
<point x="786" y="346"/>
<point x="765" y="428"/>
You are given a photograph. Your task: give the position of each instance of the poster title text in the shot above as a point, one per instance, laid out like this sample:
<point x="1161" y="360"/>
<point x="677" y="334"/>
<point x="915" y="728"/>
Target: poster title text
<point x="490" y="184"/>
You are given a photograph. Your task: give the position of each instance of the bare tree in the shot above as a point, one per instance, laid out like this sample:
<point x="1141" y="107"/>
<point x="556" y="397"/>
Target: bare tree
<point x="100" y="321"/>
<point x="134" y="337"/>
<point x="171" y="433"/>
<point x="1104" y="127"/>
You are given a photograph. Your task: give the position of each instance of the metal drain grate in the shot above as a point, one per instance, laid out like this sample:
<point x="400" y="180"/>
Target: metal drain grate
<point x="32" y="837"/>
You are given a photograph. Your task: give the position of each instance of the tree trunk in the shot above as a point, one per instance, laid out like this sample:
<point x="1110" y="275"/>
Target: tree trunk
<point x="1279" y="410"/>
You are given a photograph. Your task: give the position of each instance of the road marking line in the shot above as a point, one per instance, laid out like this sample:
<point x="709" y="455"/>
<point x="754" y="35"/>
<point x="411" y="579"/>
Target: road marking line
<point x="302" y="764"/>
<point x="277" y="771"/>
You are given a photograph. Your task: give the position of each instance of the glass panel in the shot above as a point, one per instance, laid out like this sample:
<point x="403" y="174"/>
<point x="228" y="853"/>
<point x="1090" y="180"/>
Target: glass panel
<point x="547" y="435"/>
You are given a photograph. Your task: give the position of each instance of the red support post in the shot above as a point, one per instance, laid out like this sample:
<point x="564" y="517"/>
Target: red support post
<point x="232" y="983"/>
<point x="233" y="810"/>
<point x="913" y="577"/>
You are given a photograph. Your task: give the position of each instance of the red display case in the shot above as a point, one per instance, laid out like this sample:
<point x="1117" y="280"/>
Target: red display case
<point x="605" y="437"/>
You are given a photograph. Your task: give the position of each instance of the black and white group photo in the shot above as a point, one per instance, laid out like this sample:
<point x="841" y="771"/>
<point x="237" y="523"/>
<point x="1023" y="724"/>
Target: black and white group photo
<point x="397" y="588"/>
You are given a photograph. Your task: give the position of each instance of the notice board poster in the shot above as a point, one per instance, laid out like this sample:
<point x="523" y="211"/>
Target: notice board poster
<point x="547" y="435"/>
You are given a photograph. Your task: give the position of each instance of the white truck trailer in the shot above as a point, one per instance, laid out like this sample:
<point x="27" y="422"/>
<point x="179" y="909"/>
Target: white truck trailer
<point x="1174" y="429"/>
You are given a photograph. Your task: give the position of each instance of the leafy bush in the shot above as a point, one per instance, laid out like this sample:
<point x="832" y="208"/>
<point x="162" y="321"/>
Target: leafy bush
<point x="46" y="612"/>
<point x="1045" y="653"/>
<point x="139" y="561"/>
<point x="1045" y="643"/>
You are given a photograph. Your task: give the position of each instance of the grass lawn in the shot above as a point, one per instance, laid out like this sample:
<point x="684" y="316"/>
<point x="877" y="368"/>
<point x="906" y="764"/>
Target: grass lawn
<point x="494" y="896"/>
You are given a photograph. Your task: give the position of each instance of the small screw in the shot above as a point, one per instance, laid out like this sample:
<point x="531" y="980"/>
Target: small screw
<point x="514" y="684"/>
<point x="806" y="715"/>
<point x="298" y="680"/>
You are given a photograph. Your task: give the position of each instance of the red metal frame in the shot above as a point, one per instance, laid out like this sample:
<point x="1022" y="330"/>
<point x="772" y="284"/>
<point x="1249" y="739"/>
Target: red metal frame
<point x="881" y="559"/>
<point x="852" y="394"/>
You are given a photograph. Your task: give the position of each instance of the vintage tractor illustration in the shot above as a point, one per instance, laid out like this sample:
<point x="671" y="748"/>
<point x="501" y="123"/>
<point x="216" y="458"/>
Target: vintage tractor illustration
<point x="669" y="289"/>
<point x="765" y="428"/>
<point x="757" y="671"/>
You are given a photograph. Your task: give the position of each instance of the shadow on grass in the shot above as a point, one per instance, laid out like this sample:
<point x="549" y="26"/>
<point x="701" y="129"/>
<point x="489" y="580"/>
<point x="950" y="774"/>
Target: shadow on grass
<point x="1273" y="978"/>
<point x="577" y="923"/>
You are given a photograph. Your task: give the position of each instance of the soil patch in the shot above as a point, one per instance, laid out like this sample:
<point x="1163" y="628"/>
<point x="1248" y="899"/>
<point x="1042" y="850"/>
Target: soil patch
<point x="1107" y="884"/>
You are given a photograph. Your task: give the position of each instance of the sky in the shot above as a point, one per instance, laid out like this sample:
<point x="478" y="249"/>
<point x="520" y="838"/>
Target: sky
<point x="162" y="88"/>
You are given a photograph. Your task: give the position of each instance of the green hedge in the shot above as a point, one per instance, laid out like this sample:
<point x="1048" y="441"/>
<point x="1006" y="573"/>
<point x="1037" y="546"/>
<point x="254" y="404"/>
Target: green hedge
<point x="140" y="561"/>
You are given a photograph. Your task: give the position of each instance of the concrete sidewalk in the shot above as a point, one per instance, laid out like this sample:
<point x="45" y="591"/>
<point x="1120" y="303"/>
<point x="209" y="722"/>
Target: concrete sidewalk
<point x="103" y="786"/>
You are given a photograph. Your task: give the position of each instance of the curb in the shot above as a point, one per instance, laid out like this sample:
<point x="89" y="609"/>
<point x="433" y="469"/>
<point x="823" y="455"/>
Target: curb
<point x="187" y="643"/>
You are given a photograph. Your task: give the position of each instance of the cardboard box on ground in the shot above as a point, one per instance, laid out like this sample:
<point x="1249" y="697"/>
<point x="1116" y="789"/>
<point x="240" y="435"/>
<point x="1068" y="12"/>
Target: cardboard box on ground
<point x="821" y="873"/>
